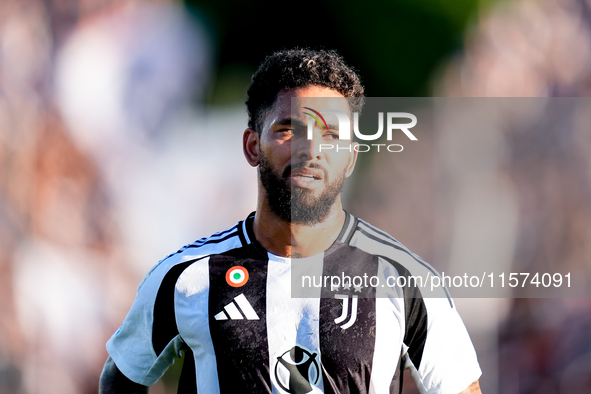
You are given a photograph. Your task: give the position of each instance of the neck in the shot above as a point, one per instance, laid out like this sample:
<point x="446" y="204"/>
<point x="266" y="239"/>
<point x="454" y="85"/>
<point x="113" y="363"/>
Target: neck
<point x="294" y="240"/>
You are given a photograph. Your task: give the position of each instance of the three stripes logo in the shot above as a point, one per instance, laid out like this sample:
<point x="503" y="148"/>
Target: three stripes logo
<point x="238" y="310"/>
<point x="345" y="312"/>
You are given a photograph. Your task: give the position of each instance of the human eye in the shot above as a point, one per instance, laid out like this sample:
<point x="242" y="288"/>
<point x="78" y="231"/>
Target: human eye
<point x="285" y="131"/>
<point x="297" y="130"/>
<point x="332" y="135"/>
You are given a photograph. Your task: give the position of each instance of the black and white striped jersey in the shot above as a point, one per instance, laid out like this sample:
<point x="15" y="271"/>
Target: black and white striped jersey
<point x="227" y="304"/>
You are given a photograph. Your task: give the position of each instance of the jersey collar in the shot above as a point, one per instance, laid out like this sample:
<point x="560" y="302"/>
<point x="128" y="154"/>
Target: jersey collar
<point x="247" y="237"/>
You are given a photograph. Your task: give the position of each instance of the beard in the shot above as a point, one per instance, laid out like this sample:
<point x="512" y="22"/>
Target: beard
<point x="294" y="204"/>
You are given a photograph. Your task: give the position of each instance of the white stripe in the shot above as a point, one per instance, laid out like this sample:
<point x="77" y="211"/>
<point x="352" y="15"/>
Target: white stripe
<point x="371" y="229"/>
<point x="217" y="236"/>
<point x="221" y="316"/>
<point x="290" y="321"/>
<point x="213" y="237"/>
<point x="192" y="319"/>
<point x="208" y="249"/>
<point x="192" y="315"/>
<point x="353" y="314"/>
<point x="245" y="232"/>
<point x="349" y="226"/>
<point x="389" y="331"/>
<point x="388" y="238"/>
<point x="233" y="311"/>
<point x="345" y="308"/>
<point x="415" y="267"/>
<point x="246" y="308"/>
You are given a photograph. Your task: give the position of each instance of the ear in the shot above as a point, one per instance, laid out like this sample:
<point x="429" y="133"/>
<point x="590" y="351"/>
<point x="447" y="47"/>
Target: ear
<point x="352" y="160"/>
<point x="250" y="146"/>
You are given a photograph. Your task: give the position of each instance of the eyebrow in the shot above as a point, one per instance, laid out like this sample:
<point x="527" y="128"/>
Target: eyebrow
<point x="290" y="122"/>
<point x="299" y="123"/>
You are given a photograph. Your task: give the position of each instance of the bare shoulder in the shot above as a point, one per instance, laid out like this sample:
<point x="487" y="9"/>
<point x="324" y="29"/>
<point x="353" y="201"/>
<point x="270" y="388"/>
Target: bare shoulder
<point x="474" y="388"/>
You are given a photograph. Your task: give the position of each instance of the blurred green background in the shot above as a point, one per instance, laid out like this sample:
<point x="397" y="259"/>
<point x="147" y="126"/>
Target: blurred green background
<point x="397" y="46"/>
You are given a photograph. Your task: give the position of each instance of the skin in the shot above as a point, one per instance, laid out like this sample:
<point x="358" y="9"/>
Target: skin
<point x="474" y="388"/>
<point x="284" y="142"/>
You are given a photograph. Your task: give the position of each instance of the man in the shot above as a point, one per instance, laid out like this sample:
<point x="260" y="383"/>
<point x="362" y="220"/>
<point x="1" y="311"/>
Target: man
<point x="225" y="301"/>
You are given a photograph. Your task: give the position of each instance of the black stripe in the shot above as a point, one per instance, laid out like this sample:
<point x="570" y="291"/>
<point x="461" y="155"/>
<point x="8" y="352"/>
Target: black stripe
<point x="248" y="225"/>
<point x="211" y="237"/>
<point x="188" y="378"/>
<point x="401" y="246"/>
<point x="164" y="327"/>
<point x="347" y="354"/>
<point x="352" y="232"/>
<point x="225" y="231"/>
<point x="379" y="231"/>
<point x="415" y="334"/>
<point x="398" y="380"/>
<point x="415" y="312"/>
<point x="241" y="233"/>
<point x="197" y="244"/>
<point x="213" y="241"/>
<point x="342" y="235"/>
<point x="205" y="239"/>
<point x="384" y="242"/>
<point x="241" y="346"/>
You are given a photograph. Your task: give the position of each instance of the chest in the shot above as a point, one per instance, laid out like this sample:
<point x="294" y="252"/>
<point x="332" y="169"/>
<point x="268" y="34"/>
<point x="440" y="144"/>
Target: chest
<point x="256" y="328"/>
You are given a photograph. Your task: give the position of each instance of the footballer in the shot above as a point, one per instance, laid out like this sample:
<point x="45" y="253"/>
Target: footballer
<point x="225" y="301"/>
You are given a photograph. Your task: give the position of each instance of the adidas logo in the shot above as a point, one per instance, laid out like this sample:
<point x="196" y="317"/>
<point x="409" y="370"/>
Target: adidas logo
<point x="232" y="310"/>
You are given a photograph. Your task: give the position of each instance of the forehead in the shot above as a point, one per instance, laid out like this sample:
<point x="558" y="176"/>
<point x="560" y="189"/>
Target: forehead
<point x="316" y="97"/>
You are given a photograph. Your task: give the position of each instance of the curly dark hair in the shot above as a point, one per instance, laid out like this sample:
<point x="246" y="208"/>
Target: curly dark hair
<point x="295" y="68"/>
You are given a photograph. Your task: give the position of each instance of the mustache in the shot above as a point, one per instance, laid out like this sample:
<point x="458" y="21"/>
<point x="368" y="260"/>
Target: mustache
<point x="290" y="168"/>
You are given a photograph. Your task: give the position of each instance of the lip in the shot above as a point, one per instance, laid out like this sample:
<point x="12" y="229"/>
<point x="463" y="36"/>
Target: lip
<point x="311" y="173"/>
<point x="306" y="177"/>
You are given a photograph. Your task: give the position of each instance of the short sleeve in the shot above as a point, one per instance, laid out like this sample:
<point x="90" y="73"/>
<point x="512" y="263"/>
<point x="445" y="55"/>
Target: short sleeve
<point x="148" y="342"/>
<point x="443" y="360"/>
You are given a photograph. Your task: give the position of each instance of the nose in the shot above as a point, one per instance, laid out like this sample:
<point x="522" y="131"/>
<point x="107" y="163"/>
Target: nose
<point x="308" y="149"/>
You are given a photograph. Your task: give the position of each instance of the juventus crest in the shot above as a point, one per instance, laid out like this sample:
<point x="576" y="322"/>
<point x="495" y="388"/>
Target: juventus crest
<point x="345" y="312"/>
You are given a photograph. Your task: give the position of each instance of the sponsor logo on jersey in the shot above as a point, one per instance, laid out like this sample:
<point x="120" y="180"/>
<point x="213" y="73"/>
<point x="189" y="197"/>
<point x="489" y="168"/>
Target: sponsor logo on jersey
<point x="237" y="276"/>
<point x="345" y="312"/>
<point x="297" y="370"/>
<point x="238" y="310"/>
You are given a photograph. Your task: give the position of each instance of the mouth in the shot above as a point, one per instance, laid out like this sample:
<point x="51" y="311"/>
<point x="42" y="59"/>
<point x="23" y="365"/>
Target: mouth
<point x="305" y="176"/>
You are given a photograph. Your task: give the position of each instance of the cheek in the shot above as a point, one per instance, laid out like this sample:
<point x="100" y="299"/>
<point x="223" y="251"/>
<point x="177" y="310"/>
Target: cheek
<point x="281" y="156"/>
<point x="275" y="146"/>
<point x="275" y="159"/>
<point x="341" y="161"/>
